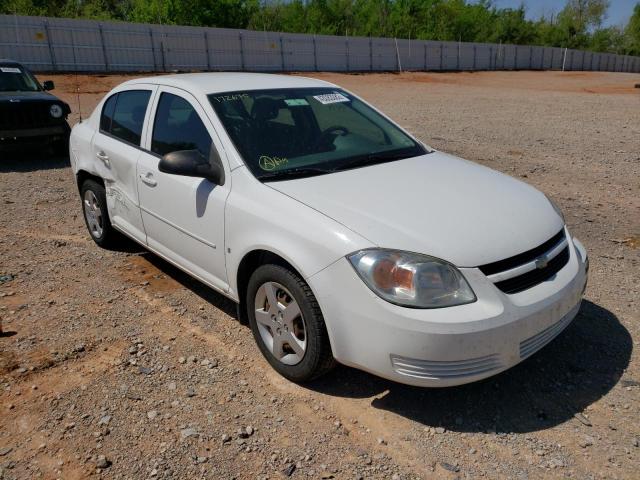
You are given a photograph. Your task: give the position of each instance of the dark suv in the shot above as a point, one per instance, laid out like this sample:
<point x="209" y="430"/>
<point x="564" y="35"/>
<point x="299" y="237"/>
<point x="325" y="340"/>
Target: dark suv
<point x="29" y="115"/>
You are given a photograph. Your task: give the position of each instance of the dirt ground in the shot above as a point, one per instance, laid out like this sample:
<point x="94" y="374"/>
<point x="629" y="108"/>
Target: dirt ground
<point x="114" y="364"/>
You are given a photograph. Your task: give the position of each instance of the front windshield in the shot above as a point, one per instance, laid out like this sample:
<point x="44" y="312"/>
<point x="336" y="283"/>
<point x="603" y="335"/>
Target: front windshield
<point x="308" y="131"/>
<point x="15" y="79"/>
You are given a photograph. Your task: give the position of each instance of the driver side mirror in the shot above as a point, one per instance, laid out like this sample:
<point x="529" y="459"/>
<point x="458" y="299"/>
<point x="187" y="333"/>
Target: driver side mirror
<point x="48" y="85"/>
<point x="191" y="163"/>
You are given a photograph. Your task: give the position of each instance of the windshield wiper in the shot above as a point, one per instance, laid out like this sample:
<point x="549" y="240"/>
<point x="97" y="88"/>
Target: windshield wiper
<point x="293" y="173"/>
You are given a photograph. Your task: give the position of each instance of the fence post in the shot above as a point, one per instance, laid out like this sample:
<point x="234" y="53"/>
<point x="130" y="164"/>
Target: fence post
<point x="51" y="52"/>
<point x="398" y="55"/>
<point x="564" y="59"/>
<point x="346" y="46"/>
<point x="206" y="49"/>
<point x="281" y="53"/>
<point x="425" y="56"/>
<point x="515" y="57"/>
<point x="153" y="48"/>
<point x="441" y="49"/>
<point x="164" y="65"/>
<point x="315" y="54"/>
<point x="458" y="60"/>
<point x="241" y="51"/>
<point x="475" y="51"/>
<point x="73" y="51"/>
<point x="531" y="58"/>
<point x="370" y="53"/>
<point x="104" y="48"/>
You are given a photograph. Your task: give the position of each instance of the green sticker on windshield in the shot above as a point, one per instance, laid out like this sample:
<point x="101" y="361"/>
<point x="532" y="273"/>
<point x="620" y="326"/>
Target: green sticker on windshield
<point x="296" y="102"/>
<point x="271" y="163"/>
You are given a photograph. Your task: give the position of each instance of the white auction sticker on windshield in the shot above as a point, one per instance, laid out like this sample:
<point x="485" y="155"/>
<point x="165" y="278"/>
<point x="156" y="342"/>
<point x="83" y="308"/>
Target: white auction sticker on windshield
<point x="10" y="70"/>
<point x="331" y="98"/>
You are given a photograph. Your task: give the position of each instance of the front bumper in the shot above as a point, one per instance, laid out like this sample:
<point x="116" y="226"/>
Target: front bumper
<point x="34" y="136"/>
<point x="446" y="346"/>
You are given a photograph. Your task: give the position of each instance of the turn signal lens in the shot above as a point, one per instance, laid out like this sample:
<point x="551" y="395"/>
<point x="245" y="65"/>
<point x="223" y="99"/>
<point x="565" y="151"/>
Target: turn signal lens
<point x="410" y="279"/>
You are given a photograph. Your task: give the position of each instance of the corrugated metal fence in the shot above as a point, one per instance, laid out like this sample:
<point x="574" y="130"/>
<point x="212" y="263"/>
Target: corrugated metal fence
<point x="60" y="44"/>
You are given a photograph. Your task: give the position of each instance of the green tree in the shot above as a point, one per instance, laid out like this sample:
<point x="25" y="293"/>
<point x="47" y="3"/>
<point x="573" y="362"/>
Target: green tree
<point x="632" y="32"/>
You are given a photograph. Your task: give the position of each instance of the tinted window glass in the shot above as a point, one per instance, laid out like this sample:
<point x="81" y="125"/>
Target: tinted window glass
<point x="129" y="115"/>
<point x="107" y="113"/>
<point x="178" y="127"/>
<point x="14" y="79"/>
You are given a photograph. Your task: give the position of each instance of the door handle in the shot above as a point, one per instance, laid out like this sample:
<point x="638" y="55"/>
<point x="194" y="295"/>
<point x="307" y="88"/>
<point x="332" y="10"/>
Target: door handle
<point x="103" y="156"/>
<point x="148" y="179"/>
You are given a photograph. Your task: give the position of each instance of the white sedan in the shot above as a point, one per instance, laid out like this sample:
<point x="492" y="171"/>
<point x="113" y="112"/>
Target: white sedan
<point x="340" y="236"/>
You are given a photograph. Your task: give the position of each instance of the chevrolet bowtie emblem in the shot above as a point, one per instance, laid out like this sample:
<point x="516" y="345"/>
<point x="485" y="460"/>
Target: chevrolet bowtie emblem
<point x="542" y="262"/>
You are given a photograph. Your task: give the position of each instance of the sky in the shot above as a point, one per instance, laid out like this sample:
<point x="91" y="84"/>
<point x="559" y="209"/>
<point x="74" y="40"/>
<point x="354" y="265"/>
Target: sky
<point x="618" y="14"/>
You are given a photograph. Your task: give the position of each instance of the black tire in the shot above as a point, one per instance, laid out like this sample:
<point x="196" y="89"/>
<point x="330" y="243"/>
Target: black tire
<point x="317" y="359"/>
<point x="109" y="237"/>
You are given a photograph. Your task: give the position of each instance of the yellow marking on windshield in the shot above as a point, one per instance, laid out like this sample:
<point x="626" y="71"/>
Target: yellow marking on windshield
<point x="271" y="163"/>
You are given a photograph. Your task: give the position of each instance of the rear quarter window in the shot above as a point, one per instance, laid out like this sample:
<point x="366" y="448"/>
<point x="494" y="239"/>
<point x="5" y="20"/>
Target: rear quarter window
<point x="107" y="113"/>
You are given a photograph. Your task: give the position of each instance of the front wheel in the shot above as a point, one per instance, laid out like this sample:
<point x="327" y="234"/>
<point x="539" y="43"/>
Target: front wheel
<point x="287" y="324"/>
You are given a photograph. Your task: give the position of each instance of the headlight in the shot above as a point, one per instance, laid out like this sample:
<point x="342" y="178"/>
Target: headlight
<point x="556" y="208"/>
<point x="410" y="279"/>
<point x="55" y="111"/>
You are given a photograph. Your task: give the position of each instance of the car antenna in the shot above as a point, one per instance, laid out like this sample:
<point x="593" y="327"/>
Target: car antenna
<point x="75" y="65"/>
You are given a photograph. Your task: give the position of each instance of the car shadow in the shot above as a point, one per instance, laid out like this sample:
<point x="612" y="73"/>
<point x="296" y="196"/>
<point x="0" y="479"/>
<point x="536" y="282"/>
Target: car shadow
<point x="30" y="160"/>
<point x="576" y="369"/>
<point x="206" y="293"/>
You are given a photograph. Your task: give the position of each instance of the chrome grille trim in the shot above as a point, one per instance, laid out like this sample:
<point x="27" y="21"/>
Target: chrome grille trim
<point x="529" y="266"/>
<point x="431" y="369"/>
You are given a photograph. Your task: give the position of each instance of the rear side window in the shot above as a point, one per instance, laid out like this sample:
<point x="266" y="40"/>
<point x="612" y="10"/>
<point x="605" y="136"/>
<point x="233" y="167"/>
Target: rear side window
<point x="124" y="118"/>
<point x="178" y="127"/>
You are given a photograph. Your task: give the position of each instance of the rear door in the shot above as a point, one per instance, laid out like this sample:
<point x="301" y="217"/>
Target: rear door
<point x="117" y="145"/>
<point x="183" y="216"/>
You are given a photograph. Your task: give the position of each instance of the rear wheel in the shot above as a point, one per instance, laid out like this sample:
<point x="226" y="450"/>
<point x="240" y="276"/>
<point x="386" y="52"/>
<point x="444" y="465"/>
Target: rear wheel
<point x="96" y="215"/>
<point x="287" y="324"/>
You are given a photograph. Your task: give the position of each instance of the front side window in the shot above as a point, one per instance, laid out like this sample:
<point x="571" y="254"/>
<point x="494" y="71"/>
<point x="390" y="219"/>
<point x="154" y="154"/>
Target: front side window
<point x="123" y="115"/>
<point x="286" y="132"/>
<point x="16" y="79"/>
<point x="178" y="127"/>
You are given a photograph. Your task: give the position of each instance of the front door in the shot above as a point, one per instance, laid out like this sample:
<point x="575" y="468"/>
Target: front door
<point x="183" y="216"/>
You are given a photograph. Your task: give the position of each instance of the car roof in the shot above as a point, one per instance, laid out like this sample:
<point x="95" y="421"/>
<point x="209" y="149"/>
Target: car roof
<point x="218" y="82"/>
<point x="6" y="61"/>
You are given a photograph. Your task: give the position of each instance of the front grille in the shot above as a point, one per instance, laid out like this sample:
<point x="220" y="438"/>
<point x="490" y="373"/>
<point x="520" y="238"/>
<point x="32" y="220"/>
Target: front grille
<point x="535" y="276"/>
<point x="19" y="115"/>
<point x="431" y="369"/>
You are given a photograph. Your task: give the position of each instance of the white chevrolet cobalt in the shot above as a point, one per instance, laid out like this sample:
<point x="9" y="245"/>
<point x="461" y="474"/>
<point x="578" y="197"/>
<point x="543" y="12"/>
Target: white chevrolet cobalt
<point x="341" y="236"/>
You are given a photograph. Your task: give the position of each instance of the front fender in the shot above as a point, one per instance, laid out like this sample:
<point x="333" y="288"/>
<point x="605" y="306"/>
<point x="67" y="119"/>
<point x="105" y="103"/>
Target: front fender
<point x="258" y="217"/>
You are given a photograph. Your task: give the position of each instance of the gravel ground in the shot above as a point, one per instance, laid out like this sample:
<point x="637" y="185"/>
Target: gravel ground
<point x="114" y="364"/>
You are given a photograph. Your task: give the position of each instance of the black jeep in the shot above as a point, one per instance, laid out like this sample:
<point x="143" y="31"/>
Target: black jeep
<point x="29" y="116"/>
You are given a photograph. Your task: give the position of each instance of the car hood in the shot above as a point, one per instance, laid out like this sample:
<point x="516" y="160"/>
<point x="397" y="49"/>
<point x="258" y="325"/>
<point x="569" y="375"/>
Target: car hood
<point x="435" y="204"/>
